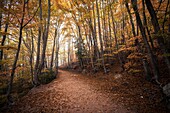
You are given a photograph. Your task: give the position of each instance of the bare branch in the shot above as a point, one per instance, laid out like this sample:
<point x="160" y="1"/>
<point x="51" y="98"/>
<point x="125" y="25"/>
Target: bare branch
<point x="31" y="18"/>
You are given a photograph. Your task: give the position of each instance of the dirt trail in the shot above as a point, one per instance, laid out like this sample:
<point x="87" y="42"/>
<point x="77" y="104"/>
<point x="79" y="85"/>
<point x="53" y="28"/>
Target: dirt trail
<point x="68" y="94"/>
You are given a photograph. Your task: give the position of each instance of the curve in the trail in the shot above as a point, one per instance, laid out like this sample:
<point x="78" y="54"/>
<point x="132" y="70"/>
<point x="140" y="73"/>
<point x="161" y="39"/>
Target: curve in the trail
<point x="68" y="94"/>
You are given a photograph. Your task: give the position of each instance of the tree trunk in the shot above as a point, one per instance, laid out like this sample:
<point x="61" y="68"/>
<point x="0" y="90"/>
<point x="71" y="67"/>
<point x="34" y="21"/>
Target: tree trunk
<point x="131" y="19"/>
<point x="96" y="49"/>
<point x="45" y="39"/>
<point x="1" y="5"/>
<point x="68" y="60"/>
<point x="16" y="57"/>
<point x="110" y="31"/>
<point x="146" y="26"/>
<point x="32" y="56"/>
<point x="100" y="38"/>
<point x="142" y="30"/>
<point x="157" y="29"/>
<point x="123" y="29"/>
<point x="80" y="47"/>
<point x="57" y="51"/>
<point x="2" y="44"/>
<point x="52" y="56"/>
<point x="89" y="46"/>
<point x="36" y="81"/>
<point x="116" y="41"/>
<point x="147" y="70"/>
<point x="6" y="29"/>
<point x="105" y="31"/>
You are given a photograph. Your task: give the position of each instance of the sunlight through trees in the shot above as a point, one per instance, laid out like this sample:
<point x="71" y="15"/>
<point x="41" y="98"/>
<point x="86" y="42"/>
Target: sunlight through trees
<point x="39" y="36"/>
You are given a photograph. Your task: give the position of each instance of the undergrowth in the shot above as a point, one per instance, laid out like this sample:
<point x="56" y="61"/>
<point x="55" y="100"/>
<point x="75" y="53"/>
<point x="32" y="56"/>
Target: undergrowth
<point x="21" y="85"/>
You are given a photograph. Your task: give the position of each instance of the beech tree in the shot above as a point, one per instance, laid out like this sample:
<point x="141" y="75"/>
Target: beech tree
<point x="39" y="36"/>
<point x="21" y="27"/>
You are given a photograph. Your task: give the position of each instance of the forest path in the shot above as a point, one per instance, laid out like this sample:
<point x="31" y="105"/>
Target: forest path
<point x="69" y="93"/>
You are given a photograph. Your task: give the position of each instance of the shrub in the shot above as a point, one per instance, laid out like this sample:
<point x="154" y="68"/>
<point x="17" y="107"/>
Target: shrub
<point x="21" y="86"/>
<point x="47" y="76"/>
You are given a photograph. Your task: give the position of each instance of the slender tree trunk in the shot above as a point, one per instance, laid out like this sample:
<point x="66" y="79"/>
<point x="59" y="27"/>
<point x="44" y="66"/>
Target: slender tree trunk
<point x="36" y="81"/>
<point x="123" y="28"/>
<point x="95" y="44"/>
<point x="157" y="30"/>
<point x="6" y="29"/>
<point x="105" y="31"/>
<point x="52" y="56"/>
<point x="2" y="44"/>
<point x="31" y="51"/>
<point x="137" y="29"/>
<point x="57" y="51"/>
<point x="116" y="41"/>
<point x="3" y="40"/>
<point x="88" y="44"/>
<point x="142" y="30"/>
<point x="110" y="30"/>
<point x="100" y="37"/>
<point x="80" y="47"/>
<point x="69" y="53"/>
<point x="1" y="5"/>
<point x="32" y="56"/>
<point x="45" y="39"/>
<point x="131" y="19"/>
<point x="57" y="48"/>
<point x="91" y="49"/>
<point x="16" y="57"/>
<point x="146" y="26"/>
<point x="147" y="69"/>
<point x="96" y="49"/>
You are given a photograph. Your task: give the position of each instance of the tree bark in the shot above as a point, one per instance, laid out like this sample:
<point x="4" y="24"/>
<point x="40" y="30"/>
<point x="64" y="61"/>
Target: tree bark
<point x="131" y="19"/>
<point x="1" y="5"/>
<point x="147" y="70"/>
<point x="68" y="53"/>
<point x="52" y="56"/>
<point x="36" y="81"/>
<point x="45" y="39"/>
<point x="57" y="51"/>
<point x="146" y="26"/>
<point x="96" y="49"/>
<point x="116" y="41"/>
<point x="157" y="30"/>
<point x="100" y="37"/>
<point x="142" y="30"/>
<point x="105" y="31"/>
<point x="16" y="57"/>
<point x="110" y="30"/>
<point x="32" y="56"/>
<point x="6" y="29"/>
<point x="2" y="44"/>
<point x="80" y="47"/>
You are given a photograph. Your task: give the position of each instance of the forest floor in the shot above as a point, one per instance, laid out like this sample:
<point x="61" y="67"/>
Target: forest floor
<point x="74" y="92"/>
